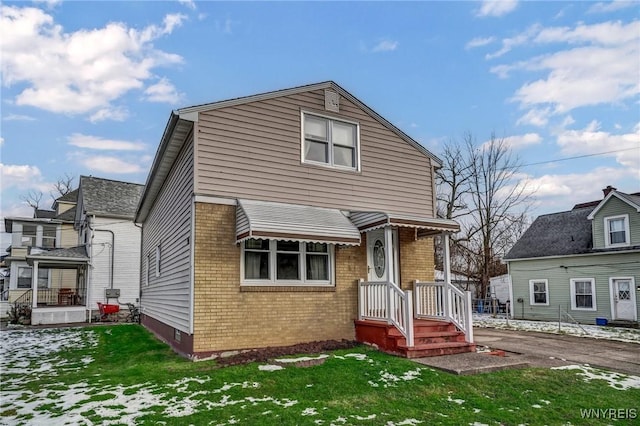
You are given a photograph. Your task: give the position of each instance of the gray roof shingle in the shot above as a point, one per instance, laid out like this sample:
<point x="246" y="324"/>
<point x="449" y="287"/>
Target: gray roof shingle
<point x="555" y="234"/>
<point x="78" y="252"/>
<point x="104" y="197"/>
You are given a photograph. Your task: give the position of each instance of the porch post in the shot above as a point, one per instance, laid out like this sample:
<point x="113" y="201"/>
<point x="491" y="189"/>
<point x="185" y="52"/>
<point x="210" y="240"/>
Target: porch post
<point x="446" y="271"/>
<point x="388" y="254"/>
<point x="34" y="284"/>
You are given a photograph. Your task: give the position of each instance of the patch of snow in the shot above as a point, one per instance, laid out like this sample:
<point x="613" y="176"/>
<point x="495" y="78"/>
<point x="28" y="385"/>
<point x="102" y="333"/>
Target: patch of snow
<point x="405" y="422"/>
<point x="594" y="331"/>
<point x="369" y="417"/>
<point x="457" y="401"/>
<point x="309" y="412"/>
<point x="537" y="406"/>
<point x="616" y="380"/>
<point x="301" y="359"/>
<point x="270" y="367"/>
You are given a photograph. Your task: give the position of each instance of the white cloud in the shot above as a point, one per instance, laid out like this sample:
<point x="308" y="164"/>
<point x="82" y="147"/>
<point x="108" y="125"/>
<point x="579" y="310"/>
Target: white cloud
<point x="479" y="42"/>
<point x="78" y="72"/>
<point x="188" y="3"/>
<point x="385" y="46"/>
<point x="15" y="210"/>
<point x="108" y="164"/>
<point x="18" y="117"/>
<point x="509" y="43"/>
<point x="610" y="6"/>
<point x="496" y="7"/>
<point x="560" y="192"/>
<point x="225" y="27"/>
<point x="109" y="113"/>
<point x="163" y="91"/>
<point x="520" y="141"/>
<point x="602" y="69"/>
<point x="593" y="140"/>
<point x="22" y="177"/>
<point x="96" y="142"/>
<point x="538" y="117"/>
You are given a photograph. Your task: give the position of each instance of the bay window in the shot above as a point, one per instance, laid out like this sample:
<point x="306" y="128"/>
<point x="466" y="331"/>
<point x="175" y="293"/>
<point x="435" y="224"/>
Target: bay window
<point x="271" y="262"/>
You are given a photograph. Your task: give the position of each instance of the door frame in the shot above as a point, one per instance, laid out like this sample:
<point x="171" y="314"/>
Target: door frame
<point x="395" y="251"/>
<point x="632" y="292"/>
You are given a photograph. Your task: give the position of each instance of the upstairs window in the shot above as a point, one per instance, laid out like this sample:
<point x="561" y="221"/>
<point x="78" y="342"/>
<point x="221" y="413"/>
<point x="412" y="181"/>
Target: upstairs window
<point x="49" y="236"/>
<point x="29" y="233"/>
<point x="616" y="231"/>
<point x="330" y="142"/>
<point x="270" y="262"/>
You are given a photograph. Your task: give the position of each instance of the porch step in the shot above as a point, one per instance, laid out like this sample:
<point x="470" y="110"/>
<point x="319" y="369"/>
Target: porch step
<point x="431" y="338"/>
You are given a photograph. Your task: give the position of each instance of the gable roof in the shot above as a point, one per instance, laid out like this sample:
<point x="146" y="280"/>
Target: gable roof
<point x="44" y="214"/>
<point x="180" y="125"/>
<point x="111" y="198"/>
<point x="631" y="199"/>
<point x="555" y="234"/>
<point x="69" y="197"/>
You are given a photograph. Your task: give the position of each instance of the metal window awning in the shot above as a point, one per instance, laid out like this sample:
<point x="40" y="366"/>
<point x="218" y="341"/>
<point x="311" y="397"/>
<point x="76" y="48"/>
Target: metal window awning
<point x="367" y="221"/>
<point x="293" y="222"/>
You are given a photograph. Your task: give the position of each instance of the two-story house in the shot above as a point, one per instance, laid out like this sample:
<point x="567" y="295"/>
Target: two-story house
<point x="294" y="216"/>
<point x="47" y="267"/>
<point x="87" y="250"/>
<point x="584" y="262"/>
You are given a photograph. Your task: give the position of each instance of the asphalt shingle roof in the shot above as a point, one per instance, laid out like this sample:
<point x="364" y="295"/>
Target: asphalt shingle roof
<point x="109" y="197"/>
<point x="44" y="214"/>
<point x="555" y="234"/>
<point x="79" y="252"/>
<point x="68" y="215"/>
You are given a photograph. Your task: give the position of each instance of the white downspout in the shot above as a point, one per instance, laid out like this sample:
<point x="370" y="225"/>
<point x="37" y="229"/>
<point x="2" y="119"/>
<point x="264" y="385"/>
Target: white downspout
<point x="34" y="285"/>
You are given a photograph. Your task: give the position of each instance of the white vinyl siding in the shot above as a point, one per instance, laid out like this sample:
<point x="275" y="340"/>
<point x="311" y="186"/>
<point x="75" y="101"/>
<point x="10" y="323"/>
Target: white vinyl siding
<point x="253" y="151"/>
<point x="167" y="297"/>
<point x="583" y="294"/>
<point x="539" y="292"/>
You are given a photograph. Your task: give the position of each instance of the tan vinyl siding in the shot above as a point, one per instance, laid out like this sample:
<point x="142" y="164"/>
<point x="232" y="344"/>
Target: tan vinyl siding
<point x="68" y="236"/>
<point x="167" y="298"/>
<point x="253" y="151"/>
<point x="559" y="271"/>
<point x="615" y="207"/>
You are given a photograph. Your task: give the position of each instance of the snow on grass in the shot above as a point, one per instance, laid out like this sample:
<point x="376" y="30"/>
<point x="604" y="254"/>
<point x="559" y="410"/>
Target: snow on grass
<point x="390" y="380"/>
<point x="616" y="380"/>
<point x="309" y="412"/>
<point x="269" y="367"/>
<point x="301" y="359"/>
<point x="584" y="330"/>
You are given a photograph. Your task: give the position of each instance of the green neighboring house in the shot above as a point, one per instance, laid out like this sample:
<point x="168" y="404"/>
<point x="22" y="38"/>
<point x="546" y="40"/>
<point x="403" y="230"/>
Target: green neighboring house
<point x="584" y="262"/>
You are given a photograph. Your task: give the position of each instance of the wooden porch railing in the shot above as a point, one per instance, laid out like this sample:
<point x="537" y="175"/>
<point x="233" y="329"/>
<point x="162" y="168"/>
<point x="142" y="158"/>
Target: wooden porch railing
<point x="384" y="301"/>
<point x="439" y="300"/>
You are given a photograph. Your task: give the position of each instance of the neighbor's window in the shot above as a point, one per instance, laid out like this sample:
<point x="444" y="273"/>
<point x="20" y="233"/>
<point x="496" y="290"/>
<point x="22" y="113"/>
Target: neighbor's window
<point x="329" y="141"/>
<point x="29" y="235"/>
<point x="49" y="236"/>
<point x="158" y="260"/>
<point x="269" y="262"/>
<point x="616" y="231"/>
<point x="25" y="274"/>
<point x="583" y="294"/>
<point x="539" y="292"/>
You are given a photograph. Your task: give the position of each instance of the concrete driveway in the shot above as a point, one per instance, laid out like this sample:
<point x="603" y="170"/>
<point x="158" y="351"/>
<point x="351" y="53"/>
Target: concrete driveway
<point x="533" y="349"/>
<point x="550" y="350"/>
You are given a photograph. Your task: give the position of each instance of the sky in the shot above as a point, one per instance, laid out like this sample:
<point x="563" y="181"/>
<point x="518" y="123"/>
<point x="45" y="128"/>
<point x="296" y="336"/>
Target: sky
<point x="88" y="86"/>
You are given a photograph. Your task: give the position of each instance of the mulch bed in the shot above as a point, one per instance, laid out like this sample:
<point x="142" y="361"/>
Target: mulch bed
<point x="266" y="354"/>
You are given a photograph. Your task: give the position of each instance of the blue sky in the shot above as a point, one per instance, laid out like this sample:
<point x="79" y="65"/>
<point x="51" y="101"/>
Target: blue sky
<point x="87" y="87"/>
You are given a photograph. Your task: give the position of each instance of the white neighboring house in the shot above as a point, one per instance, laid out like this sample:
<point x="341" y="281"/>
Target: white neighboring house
<point x="500" y="289"/>
<point x="104" y="220"/>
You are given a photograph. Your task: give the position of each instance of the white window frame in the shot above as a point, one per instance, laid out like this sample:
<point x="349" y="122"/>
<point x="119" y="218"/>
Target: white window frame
<point x="607" y="233"/>
<point x="302" y="265"/>
<point x="532" y="299"/>
<point x="572" y="288"/>
<point x="330" y="161"/>
<point x="158" y="260"/>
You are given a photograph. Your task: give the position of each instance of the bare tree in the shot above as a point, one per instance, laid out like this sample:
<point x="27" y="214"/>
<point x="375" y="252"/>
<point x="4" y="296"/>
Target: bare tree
<point x="63" y="186"/>
<point x="33" y="199"/>
<point x="479" y="187"/>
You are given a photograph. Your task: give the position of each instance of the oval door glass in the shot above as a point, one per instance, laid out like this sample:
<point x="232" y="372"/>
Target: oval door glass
<point x="379" y="258"/>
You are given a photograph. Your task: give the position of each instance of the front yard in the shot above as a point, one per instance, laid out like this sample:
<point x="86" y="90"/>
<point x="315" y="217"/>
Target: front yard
<point x="122" y="375"/>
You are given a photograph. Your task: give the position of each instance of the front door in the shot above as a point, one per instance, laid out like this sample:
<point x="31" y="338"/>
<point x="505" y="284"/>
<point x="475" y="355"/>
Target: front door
<point x="624" y="305"/>
<point x="377" y="264"/>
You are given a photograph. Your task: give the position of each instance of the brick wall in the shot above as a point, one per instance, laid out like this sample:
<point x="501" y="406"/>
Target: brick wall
<point x="416" y="258"/>
<point x="228" y="316"/>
